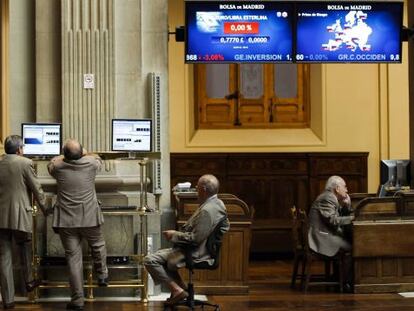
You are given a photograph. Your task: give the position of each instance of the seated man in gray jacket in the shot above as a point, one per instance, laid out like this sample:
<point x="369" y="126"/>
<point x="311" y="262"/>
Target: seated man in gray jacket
<point x="163" y="264"/>
<point x="328" y="218"/>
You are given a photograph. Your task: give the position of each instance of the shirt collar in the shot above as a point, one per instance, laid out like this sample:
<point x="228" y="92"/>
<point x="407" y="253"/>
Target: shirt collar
<point x="208" y="200"/>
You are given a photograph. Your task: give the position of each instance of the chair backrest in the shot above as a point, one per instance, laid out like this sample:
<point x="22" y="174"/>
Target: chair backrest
<point x="299" y="228"/>
<point x="213" y="245"/>
<point x="303" y="224"/>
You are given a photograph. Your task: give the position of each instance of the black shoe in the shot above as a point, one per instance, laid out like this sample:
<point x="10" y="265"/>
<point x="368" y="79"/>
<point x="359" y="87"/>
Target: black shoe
<point x="102" y="282"/>
<point x="71" y="306"/>
<point x="8" y="305"/>
<point x="32" y="285"/>
<point x="348" y="288"/>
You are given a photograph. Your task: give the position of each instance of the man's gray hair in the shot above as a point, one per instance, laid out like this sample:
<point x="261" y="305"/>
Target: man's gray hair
<point x="12" y="144"/>
<point x="333" y="182"/>
<point x="210" y="183"/>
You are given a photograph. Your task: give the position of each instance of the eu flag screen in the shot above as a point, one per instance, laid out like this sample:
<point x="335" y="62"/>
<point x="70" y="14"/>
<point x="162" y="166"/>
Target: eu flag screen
<point x="354" y="32"/>
<point x="243" y="31"/>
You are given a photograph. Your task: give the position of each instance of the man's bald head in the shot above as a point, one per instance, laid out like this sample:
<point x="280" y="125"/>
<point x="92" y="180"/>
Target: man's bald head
<point x="209" y="183"/>
<point x="72" y="149"/>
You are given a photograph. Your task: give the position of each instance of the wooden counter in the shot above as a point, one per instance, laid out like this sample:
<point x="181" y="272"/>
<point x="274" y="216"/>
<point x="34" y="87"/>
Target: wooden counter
<point x="383" y="247"/>
<point x="231" y="277"/>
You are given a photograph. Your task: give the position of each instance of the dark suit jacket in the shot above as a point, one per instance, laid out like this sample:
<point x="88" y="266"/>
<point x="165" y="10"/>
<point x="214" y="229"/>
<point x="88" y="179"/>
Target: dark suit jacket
<point x="77" y="205"/>
<point x="325" y="224"/>
<point x="17" y="182"/>
<point x="198" y="228"/>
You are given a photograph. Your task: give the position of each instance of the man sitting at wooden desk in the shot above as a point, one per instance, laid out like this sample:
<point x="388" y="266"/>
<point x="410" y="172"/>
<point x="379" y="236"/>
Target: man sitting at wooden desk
<point x="328" y="217"/>
<point x="163" y="264"/>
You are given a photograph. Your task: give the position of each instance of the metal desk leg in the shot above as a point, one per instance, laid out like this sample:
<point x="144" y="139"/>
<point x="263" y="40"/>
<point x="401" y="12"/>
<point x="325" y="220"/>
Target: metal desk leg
<point x="143" y="184"/>
<point x="144" y="250"/>
<point x="33" y="296"/>
<point x="89" y="281"/>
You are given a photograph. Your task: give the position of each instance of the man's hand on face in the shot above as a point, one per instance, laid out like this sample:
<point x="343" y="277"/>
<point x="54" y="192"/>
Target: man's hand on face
<point x="346" y="201"/>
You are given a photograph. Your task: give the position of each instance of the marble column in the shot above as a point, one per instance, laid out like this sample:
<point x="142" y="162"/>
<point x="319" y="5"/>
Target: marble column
<point x="88" y="48"/>
<point x="4" y="78"/>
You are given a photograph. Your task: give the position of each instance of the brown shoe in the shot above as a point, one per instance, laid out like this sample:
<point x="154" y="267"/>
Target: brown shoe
<point x="181" y="296"/>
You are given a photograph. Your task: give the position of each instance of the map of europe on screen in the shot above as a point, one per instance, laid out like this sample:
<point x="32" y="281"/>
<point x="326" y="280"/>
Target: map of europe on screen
<point x="349" y="32"/>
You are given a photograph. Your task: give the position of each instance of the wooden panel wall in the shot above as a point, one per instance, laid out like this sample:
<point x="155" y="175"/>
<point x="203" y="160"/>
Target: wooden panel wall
<point x="272" y="183"/>
<point x="231" y="276"/>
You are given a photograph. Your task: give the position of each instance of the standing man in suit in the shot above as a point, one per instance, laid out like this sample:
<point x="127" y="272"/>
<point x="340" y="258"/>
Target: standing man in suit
<point x="329" y="219"/>
<point x="163" y="264"/>
<point x="77" y="215"/>
<point x="17" y="182"/>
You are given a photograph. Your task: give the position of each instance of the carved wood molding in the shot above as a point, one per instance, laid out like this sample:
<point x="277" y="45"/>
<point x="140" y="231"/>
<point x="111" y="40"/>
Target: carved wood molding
<point x="4" y="53"/>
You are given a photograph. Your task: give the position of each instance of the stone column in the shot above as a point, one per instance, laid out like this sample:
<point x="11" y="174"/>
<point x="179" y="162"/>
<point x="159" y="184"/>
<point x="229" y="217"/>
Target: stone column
<point x="88" y="48"/>
<point x="4" y="78"/>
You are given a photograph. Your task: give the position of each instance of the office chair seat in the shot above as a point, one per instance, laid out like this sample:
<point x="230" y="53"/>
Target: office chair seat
<point x="213" y="245"/>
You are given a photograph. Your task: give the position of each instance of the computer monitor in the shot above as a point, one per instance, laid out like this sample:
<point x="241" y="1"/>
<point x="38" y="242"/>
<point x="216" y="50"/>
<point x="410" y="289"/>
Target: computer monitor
<point x="42" y="139"/>
<point x="395" y="173"/>
<point x="132" y="135"/>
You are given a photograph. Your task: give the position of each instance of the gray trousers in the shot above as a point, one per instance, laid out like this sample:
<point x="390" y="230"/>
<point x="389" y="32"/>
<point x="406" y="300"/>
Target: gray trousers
<point x="24" y="243"/>
<point x="72" y="243"/>
<point x="163" y="265"/>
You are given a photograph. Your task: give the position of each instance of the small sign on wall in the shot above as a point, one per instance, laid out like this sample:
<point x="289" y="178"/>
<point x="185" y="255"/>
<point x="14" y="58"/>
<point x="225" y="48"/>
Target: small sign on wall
<point x="88" y="81"/>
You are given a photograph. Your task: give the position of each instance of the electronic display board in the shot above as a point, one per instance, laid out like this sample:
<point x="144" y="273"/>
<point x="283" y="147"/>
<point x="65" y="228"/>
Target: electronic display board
<point x="238" y="31"/>
<point x="350" y="32"/>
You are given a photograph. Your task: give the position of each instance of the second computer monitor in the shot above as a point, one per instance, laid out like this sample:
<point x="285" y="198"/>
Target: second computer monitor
<point x="395" y="173"/>
<point x="132" y="135"/>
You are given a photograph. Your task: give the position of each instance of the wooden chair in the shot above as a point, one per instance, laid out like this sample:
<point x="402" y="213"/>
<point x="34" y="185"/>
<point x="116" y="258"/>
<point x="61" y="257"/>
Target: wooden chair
<point x="311" y="257"/>
<point x="298" y="246"/>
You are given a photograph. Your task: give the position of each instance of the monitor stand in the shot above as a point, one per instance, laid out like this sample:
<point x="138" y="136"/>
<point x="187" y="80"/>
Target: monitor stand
<point x="132" y="155"/>
<point x="382" y="193"/>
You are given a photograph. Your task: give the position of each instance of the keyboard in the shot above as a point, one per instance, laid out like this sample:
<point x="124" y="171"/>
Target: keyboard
<point x="118" y="207"/>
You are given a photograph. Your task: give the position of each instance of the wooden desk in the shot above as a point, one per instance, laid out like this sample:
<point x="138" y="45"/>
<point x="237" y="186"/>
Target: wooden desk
<point x="383" y="247"/>
<point x="231" y="277"/>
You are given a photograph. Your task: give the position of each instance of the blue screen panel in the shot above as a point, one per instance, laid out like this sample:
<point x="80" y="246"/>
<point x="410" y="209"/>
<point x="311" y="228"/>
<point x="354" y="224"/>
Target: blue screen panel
<point x="365" y="32"/>
<point x="238" y="31"/>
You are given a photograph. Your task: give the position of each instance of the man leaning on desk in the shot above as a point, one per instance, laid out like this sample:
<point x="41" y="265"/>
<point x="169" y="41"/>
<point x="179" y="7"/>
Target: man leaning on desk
<point x="77" y="215"/>
<point x="329" y="224"/>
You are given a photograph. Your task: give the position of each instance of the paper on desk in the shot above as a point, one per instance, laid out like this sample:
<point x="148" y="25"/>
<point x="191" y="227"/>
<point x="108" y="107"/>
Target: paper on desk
<point x="182" y="186"/>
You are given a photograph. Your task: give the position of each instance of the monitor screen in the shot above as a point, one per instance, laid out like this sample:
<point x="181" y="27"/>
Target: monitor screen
<point x="42" y="139"/>
<point x="395" y="173"/>
<point x="131" y="135"/>
<point x="350" y="32"/>
<point x="238" y="31"/>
